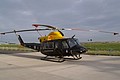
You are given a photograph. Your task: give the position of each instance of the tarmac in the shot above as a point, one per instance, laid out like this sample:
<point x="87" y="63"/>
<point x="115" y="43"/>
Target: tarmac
<point x="29" y="66"/>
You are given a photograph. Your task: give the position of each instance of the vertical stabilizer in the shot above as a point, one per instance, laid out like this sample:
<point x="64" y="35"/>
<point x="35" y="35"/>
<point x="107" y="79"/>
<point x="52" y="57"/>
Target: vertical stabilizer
<point x="20" y="40"/>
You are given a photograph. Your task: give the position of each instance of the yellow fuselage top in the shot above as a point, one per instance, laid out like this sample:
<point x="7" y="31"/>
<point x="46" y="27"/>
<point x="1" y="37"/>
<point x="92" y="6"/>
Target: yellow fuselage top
<point x="51" y="36"/>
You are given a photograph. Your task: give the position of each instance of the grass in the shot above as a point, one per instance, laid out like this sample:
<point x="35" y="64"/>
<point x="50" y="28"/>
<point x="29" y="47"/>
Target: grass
<point x="103" y="48"/>
<point x="108" y="53"/>
<point x="94" y="48"/>
<point x="14" y="47"/>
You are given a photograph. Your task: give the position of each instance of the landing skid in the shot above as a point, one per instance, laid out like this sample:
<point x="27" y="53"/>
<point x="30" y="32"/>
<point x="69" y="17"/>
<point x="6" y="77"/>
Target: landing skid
<point x="54" y="59"/>
<point x="59" y="58"/>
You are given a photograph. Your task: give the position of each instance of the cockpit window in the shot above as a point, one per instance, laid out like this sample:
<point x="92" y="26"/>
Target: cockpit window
<point x="72" y="42"/>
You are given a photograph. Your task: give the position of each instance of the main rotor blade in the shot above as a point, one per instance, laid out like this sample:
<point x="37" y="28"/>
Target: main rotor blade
<point x="55" y="28"/>
<point x="114" y="33"/>
<point x="48" y="26"/>
<point x="27" y="30"/>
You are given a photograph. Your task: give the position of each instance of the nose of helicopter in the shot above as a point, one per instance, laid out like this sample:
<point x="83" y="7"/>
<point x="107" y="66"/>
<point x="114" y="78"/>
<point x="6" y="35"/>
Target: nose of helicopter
<point x="79" y="49"/>
<point x="83" y="50"/>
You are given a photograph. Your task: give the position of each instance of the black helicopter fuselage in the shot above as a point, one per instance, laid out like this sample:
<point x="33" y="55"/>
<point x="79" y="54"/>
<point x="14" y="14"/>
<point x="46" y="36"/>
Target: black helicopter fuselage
<point x="62" y="47"/>
<point x="58" y="47"/>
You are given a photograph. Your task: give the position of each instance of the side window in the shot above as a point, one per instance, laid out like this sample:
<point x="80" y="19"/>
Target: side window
<point x="51" y="45"/>
<point x="64" y="44"/>
<point x="56" y="45"/>
<point x="48" y="45"/>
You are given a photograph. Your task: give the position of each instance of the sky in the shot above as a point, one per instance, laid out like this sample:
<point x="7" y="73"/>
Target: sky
<point x="83" y="14"/>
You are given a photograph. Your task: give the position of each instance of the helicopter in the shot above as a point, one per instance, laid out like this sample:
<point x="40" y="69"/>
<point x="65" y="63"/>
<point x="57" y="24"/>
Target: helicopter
<point x="55" y="44"/>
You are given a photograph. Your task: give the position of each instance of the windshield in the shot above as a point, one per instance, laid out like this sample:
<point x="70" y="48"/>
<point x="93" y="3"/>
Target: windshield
<point x="72" y="42"/>
<point x="77" y="41"/>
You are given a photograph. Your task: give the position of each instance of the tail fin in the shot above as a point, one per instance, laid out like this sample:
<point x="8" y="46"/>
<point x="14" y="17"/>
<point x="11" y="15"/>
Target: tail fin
<point x="35" y="46"/>
<point x="20" y="40"/>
